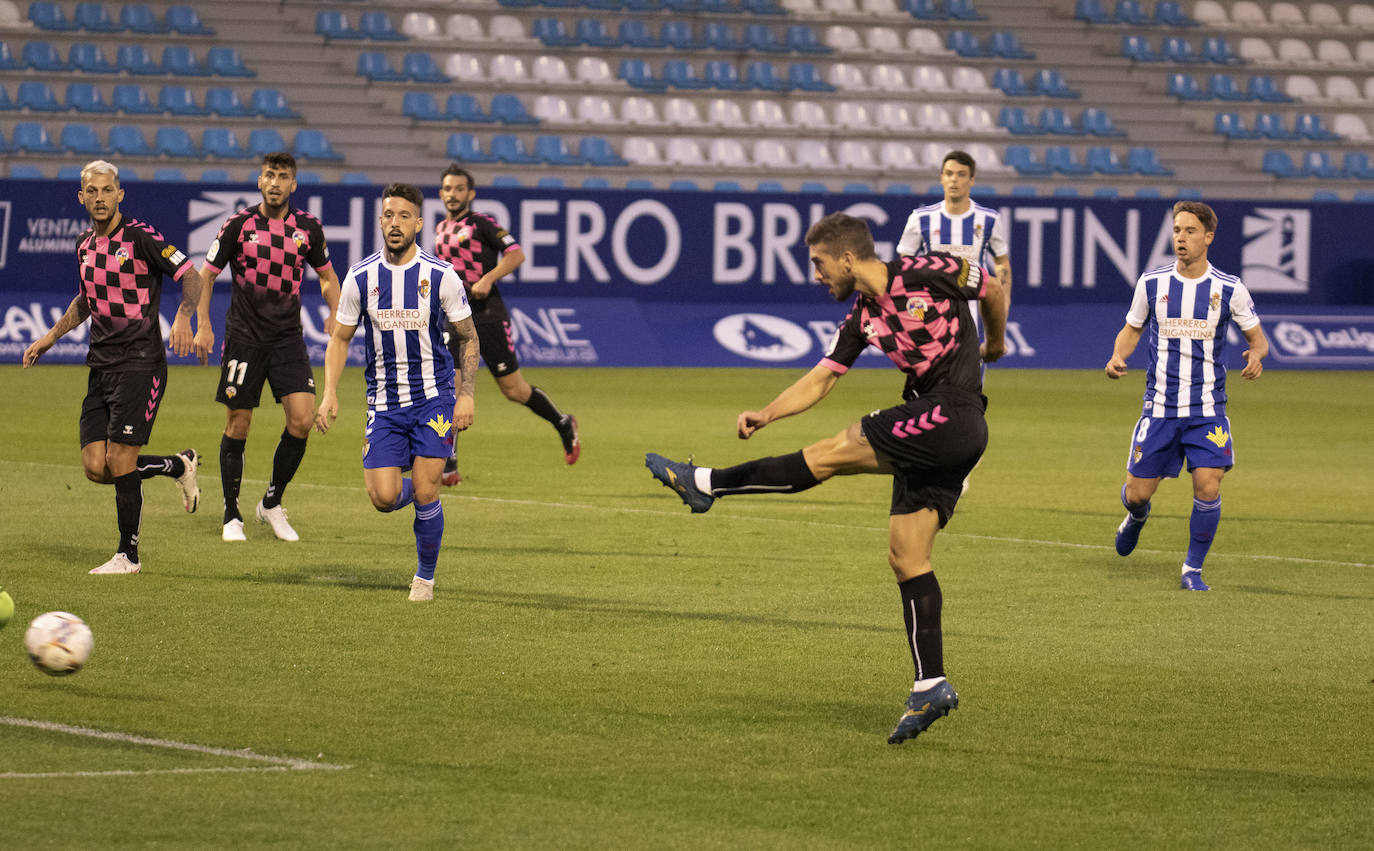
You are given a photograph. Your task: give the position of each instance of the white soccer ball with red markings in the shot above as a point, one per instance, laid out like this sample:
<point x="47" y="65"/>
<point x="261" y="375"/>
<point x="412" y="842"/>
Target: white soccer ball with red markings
<point x="59" y="643"/>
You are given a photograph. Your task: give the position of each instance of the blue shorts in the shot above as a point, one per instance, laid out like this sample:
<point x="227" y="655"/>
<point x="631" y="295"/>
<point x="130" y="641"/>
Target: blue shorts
<point x="1159" y="446"/>
<point x="395" y="438"/>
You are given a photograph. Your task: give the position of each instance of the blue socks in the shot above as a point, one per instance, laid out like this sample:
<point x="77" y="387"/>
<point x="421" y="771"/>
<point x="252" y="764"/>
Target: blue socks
<point x="1202" y="527"/>
<point x="429" y="534"/>
<point x="406" y="496"/>
<point x="1139" y="511"/>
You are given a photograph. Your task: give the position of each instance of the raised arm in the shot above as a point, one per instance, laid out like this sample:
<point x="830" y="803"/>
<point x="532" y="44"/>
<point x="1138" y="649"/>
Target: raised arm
<point x="804" y="392"/>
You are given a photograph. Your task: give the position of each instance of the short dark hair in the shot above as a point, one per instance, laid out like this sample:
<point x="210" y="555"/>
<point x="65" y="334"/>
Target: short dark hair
<point x="279" y="159"/>
<point x="458" y="171"/>
<point x="962" y="158"/>
<point x="841" y="232"/>
<point x="1204" y="213"/>
<point x="406" y="191"/>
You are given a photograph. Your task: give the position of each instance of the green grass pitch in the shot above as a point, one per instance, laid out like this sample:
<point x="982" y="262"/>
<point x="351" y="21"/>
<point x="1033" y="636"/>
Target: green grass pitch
<point x="602" y="669"/>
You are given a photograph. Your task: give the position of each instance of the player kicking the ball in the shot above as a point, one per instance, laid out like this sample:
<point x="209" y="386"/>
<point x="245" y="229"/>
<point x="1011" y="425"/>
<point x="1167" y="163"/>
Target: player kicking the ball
<point x="916" y="311"/>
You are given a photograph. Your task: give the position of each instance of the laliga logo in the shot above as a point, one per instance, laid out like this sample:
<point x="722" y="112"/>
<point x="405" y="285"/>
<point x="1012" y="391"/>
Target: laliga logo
<point x="1295" y="339"/>
<point x="759" y="336"/>
<point x="1275" y="258"/>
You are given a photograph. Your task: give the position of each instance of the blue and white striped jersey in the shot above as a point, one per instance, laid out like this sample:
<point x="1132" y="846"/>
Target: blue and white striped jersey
<point x="973" y="235"/>
<point x="1186" y="339"/>
<point x="401" y="310"/>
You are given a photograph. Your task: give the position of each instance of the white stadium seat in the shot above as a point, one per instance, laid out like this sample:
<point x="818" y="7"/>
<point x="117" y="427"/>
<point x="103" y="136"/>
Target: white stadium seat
<point x="465" y="68"/>
<point x="808" y="115"/>
<point x="1361" y="17"/>
<point x="727" y="153"/>
<point x="641" y="151"/>
<point x="1352" y="127"/>
<point x="928" y="78"/>
<point x="932" y="154"/>
<point x="553" y="109"/>
<point x="1245" y="13"/>
<point x="883" y="40"/>
<point x="926" y="42"/>
<point x="800" y="7"/>
<point x="855" y="155"/>
<point x="814" y="154"/>
<point x="593" y="70"/>
<point x="989" y="161"/>
<point x="888" y="78"/>
<point x="506" y="28"/>
<point x="883" y="8"/>
<point x="421" y="25"/>
<point x="1364" y="54"/>
<point x="684" y="151"/>
<point x="464" y="27"/>
<point x="1324" y="16"/>
<point x="977" y="119"/>
<point x="844" y="39"/>
<point x="681" y="112"/>
<point x="767" y="113"/>
<point x="894" y="116"/>
<point x="551" y="70"/>
<point x="1210" y="13"/>
<point x="639" y="112"/>
<point x="843" y="75"/>
<point x="721" y="112"/>
<point x="770" y="153"/>
<point x="970" y="80"/>
<point x="1342" y="90"/>
<point x="1303" y="88"/>
<point x="595" y="109"/>
<point x="1286" y="16"/>
<point x="934" y="118"/>
<point x="853" y="116"/>
<point x="839" y="7"/>
<point x="1295" y="51"/>
<point x="1255" y="50"/>
<point x="1332" y="52"/>
<point x="508" y="68"/>
<point x="9" y="15"/>
<point x="898" y="156"/>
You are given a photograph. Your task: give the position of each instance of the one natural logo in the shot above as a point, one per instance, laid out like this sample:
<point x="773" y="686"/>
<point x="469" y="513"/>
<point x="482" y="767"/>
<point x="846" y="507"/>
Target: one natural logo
<point x="759" y="336"/>
<point x="1276" y="257"/>
<point x="1219" y="436"/>
<point x="440" y="425"/>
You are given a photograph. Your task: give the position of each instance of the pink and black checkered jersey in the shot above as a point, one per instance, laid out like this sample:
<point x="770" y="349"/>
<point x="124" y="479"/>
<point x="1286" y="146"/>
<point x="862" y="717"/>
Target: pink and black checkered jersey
<point x="923" y="323"/>
<point x="121" y="280"/>
<point x="473" y="244"/>
<point x="268" y="258"/>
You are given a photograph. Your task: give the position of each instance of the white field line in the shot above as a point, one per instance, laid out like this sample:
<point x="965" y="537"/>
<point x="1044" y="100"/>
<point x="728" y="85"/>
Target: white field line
<point x="574" y="506"/>
<point x="273" y="763"/>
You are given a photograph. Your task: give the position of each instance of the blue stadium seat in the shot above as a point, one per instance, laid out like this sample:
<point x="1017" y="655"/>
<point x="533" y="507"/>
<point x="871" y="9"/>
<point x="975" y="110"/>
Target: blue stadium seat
<point x="226" y="102"/>
<point x="464" y="107"/>
<point x="1326" y="195"/>
<point x="180" y="60"/>
<point x="857" y="188"/>
<point x="593" y="33"/>
<point x="683" y="6"/>
<point x="421" y="106"/>
<point x="508" y="109"/>
<point x="73" y="173"/>
<point x="926" y="10"/>
<point x="1279" y="164"/>
<point x="355" y="178"/>
<point x="226" y="62"/>
<point x="422" y="68"/>
<point x="314" y="145"/>
<point x="129" y="141"/>
<point x="376" y="67"/>
<point x="1006" y="45"/>
<point x="133" y="99"/>
<point x="23" y="172"/>
<point x="308" y="177"/>
<point x="1020" y="158"/>
<point x="1050" y="82"/>
<point x="90" y="58"/>
<point x="1098" y="123"/>
<point x="803" y="39"/>
<point x="1309" y="125"/>
<point x="1130" y="12"/>
<point x="138" y="18"/>
<point x="721" y="7"/>
<point x="1146" y="161"/>
<point x="597" y="150"/>
<point x="1103" y="160"/>
<point x="1020" y="191"/>
<point x="30" y="137"/>
<point x="762" y="75"/>
<point x="1064" y="192"/>
<point x="552" y="32"/>
<point x="804" y="76"/>
<point x="265" y="140"/>
<point x="1055" y="120"/>
<point x="764" y="7"/>
<point x="1223" y="87"/>
<point x="178" y="100"/>
<point x="965" y="44"/>
<point x="6" y="103"/>
<point x="1230" y="125"/>
<point x="595" y="182"/>
<point x="508" y="148"/>
<point x="1060" y="158"/>
<point x="683" y="185"/>
<point x="639" y="183"/>
<point x="42" y="56"/>
<point x="963" y="10"/>
<point x="727" y="186"/>
<point x="223" y="143"/>
<point x="1356" y="165"/>
<point x="135" y="59"/>
<point x="1106" y="192"/>
<point x="1010" y="82"/>
<point x="185" y="20"/>
<point x="717" y="35"/>
<point x="80" y="139"/>
<point x="49" y="16"/>
<point x="1318" y="164"/>
<point x="898" y="189"/>
<point x="1217" y="50"/>
<point x="1014" y="119"/>
<point x="554" y="151"/>
<point x="378" y="27"/>
<point x="270" y="103"/>
<point x="678" y="35"/>
<point x="680" y="74"/>
<point x="1269" y="125"/>
<point x="634" y="32"/>
<point x="762" y="37"/>
<point x="464" y="147"/>
<point x="722" y="75"/>
<point x="1137" y="48"/>
<point x="38" y="97"/>
<point x="769" y="186"/>
<point x="92" y="17"/>
<point x="7" y="60"/>
<point x="1091" y="11"/>
<point x="1171" y="14"/>
<point x="334" y="25"/>
<point x="506" y="181"/>
<point x="1184" y="87"/>
<point x="169" y="174"/>
<point x="638" y="74"/>
<point x="1261" y="87"/>
<point x="1177" y="49"/>
<point x="175" y="142"/>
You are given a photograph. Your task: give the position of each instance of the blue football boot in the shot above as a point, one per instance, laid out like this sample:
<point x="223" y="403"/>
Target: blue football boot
<point x="1128" y="533"/>
<point x="1192" y="581"/>
<point x="924" y="708"/>
<point x="682" y="479"/>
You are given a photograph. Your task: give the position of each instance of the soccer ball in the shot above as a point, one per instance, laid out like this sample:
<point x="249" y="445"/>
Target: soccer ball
<point x="59" y="643"/>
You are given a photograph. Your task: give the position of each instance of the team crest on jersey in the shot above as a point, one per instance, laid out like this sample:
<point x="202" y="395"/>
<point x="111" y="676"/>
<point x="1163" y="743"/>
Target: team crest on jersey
<point x="869" y="331"/>
<point x="253" y="237"/>
<point x="299" y="238"/>
<point x="1215" y="303"/>
<point x="978" y="231"/>
<point x="122" y="255"/>
<point x="230" y="392"/>
<point x="1137" y="453"/>
<point x="917" y="306"/>
<point x="424" y="288"/>
<point x="464" y="233"/>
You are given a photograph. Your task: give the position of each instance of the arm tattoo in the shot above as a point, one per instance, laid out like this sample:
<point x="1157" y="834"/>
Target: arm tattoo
<point x="467" y="356"/>
<point x="77" y="312"/>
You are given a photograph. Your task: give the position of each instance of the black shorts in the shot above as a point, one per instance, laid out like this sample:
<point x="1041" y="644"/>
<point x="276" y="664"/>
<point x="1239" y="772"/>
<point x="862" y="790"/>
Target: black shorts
<point x="245" y="366"/>
<point x="494" y="342"/>
<point x="121" y="406"/>
<point x="932" y="443"/>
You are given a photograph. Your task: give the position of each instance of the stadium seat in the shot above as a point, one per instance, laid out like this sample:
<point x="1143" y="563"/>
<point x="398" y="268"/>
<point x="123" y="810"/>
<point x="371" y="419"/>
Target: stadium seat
<point x="378" y="27"/>
<point x="899" y="157"/>
<point x="641" y="151"/>
<point x="593" y="71"/>
<point x="594" y="109"/>
<point x="1060" y="158"/>
<point x="855" y="155"/>
<point x="421" y="106"/>
<point x="42" y="56"/>
<point x="1097" y="122"/>
<point x="422" y="26"/>
<point x="1170" y="14"/>
<point x="1356" y="164"/>
<point x="680" y="74"/>
<point x="1352" y="128"/>
<point x="1302" y="87"/>
<point x="1309" y="125"/>
<point x="883" y="40"/>
<point x="801" y="38"/>
<point x="180" y="61"/>
<point x="549" y="109"/>
<point x="38" y="96"/>
<point x="681" y="112"/>
<point x="508" y="68"/>
<point x="509" y="148"/>
<point x="554" y="151"/>
<point x="895" y="116"/>
<point x="1006" y="45"/>
<point x="464" y="147"/>
<point x="90" y="58"/>
<point x="808" y="115"/>
<point x="1014" y="119"/>
<point x="223" y="143"/>
<point x="1210" y="13"/>
<point x="132" y="99"/>
<point x="219" y="175"/>
<point x="814" y="154"/>
<point x="717" y="35"/>
<point x="727" y="152"/>
<point x="1184" y="87"/>
<point x="464" y="27"/>
<point x="1020" y="158"/>
<point x="93" y="17"/>
<point x="307" y="178"/>
<point x="464" y="67"/>
<point x="1286" y="16"/>
<point x="1264" y="88"/>
<point x="175" y="142"/>
<point x="639" y="112"/>
<point x="770" y="153"/>
<point x="762" y="75"/>
<point x="1217" y="50"/>
<point x="129" y="140"/>
<point x="721" y="112"/>
<point x="421" y="68"/>
<point x="1224" y="87"/>
<point x="84" y="97"/>
<point x="334" y="26"/>
<point x="550" y="182"/>
<point x="376" y="67"/>
<point x="1055" y="121"/>
<point x="80" y="139"/>
<point x="1137" y="49"/>
<point x="1360" y="17"/>
<point x="1318" y="164"/>
<point x="314" y="145"/>
<point x="926" y="10"/>
<point x="226" y="102"/>
<point x="1178" y="49"/>
<point x="138" y="18"/>
<point x="1295" y="51"/>
<point x="634" y="32"/>
<point x="966" y="44"/>
<point x="49" y="16"/>
<point x="886" y="77"/>
<point x="847" y="76"/>
<point x="185" y="20"/>
<point x="1130" y="12"/>
<point x="593" y="32"/>
<point x="552" y="32"/>
<point x="1010" y="82"/>
<point x="1145" y="161"/>
<point x="226" y="62"/>
<point x="595" y="182"/>
<point x="682" y="185"/>
<point x="1091" y="11"/>
<point x="1103" y="160"/>
<point x="767" y="114"/>
<point x="925" y="42"/>
<point x="31" y="137"/>
<point x="178" y="100"/>
<point x="1279" y="164"/>
<point x="270" y="103"/>
<point x="597" y="151"/>
<point x="933" y="118"/>
<point x="804" y="76"/>
<point x="169" y="174"/>
<point x="6" y="104"/>
<point x="1050" y="82"/>
<point x="1332" y="52"/>
<point x="1230" y="125"/>
<point x="508" y="109"/>
<point x="963" y="10"/>
<point x="8" y="62"/>
<point x="1269" y="125"/>
<point x="464" y="107"/>
<point x="551" y="70"/>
